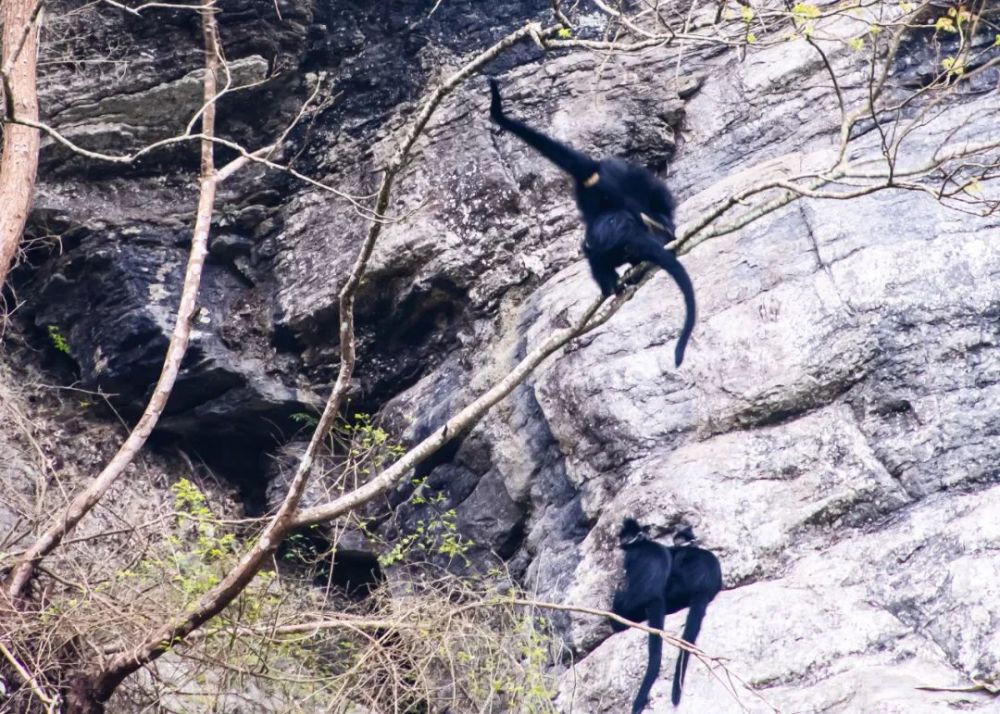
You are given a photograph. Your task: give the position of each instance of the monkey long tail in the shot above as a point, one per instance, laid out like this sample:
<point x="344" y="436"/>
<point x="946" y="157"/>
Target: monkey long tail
<point x="692" y="626"/>
<point x="668" y="261"/>
<point x="578" y="165"/>
<point x="656" y="612"/>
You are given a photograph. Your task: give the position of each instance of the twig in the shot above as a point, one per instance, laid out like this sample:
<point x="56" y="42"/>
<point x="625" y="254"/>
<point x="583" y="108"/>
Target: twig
<point x="51" y="703"/>
<point x="82" y="504"/>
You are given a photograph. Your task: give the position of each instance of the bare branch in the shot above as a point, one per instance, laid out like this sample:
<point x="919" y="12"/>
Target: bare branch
<point x="138" y="9"/>
<point x="24" y="570"/>
<point x="218" y="597"/>
<point x="51" y="704"/>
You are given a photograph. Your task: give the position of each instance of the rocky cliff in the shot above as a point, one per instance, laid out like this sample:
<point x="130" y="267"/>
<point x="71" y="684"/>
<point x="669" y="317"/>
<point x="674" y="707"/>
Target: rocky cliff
<point x="833" y="433"/>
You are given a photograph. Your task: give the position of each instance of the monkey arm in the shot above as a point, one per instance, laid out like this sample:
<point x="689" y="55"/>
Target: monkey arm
<point x="578" y="165"/>
<point x="661" y="210"/>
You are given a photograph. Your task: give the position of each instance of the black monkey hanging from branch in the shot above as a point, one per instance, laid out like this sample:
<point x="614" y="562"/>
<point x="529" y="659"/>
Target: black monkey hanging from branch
<point x="628" y="213"/>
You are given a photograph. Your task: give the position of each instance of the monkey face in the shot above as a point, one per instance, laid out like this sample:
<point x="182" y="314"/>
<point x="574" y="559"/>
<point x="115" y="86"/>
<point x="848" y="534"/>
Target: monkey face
<point x="631" y="532"/>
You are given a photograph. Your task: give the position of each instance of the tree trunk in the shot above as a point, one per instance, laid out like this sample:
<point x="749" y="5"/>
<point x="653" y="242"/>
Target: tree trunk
<point x="80" y="698"/>
<point x="19" y="163"/>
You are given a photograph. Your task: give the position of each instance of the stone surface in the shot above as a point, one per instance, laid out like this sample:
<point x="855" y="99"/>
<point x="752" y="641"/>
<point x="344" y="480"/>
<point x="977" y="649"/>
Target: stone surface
<point x="833" y="434"/>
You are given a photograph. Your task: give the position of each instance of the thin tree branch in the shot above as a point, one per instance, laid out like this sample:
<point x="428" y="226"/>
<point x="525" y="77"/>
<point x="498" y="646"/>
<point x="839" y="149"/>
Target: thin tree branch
<point x="82" y="504"/>
<point x="104" y="683"/>
<point x="51" y="703"/>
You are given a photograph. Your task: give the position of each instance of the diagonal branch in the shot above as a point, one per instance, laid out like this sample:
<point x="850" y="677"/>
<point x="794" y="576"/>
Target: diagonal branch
<point x="24" y="570"/>
<point x="103" y="684"/>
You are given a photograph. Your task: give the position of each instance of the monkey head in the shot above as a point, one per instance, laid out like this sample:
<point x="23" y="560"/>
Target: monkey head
<point x="684" y="535"/>
<point x="631" y="532"/>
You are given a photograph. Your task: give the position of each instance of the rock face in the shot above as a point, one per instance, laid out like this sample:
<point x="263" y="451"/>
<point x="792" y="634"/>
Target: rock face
<point x="833" y="434"/>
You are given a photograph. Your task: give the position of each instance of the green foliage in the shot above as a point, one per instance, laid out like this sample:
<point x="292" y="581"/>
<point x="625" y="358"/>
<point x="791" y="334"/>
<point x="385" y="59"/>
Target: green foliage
<point x="371" y="437"/>
<point x="304" y="418"/>
<point x="192" y="557"/>
<point x="456" y="645"/>
<point x="953" y="20"/>
<point x="369" y="447"/>
<point x="434" y="536"/>
<point x="945" y="24"/>
<point x="805" y="11"/>
<point x="57" y="340"/>
<point x="526" y="687"/>
<point x="565" y="33"/>
<point x="953" y="66"/>
<point x="201" y="550"/>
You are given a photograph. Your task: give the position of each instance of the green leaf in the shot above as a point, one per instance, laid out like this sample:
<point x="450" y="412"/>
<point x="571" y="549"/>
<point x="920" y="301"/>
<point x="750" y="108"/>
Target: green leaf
<point x="806" y="11"/>
<point x="946" y="24"/>
<point x="954" y="66"/>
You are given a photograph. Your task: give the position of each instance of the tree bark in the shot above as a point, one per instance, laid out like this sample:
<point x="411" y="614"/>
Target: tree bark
<point x="19" y="163"/>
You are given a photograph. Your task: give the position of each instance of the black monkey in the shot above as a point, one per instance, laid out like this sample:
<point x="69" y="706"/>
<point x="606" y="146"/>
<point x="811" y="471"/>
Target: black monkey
<point x="684" y="535"/>
<point x="693" y="579"/>
<point x="647" y="570"/>
<point x="628" y="212"/>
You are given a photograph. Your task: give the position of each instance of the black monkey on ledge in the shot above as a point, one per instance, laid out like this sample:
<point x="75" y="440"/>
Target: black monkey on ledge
<point x="643" y="597"/>
<point x="692" y="579"/>
<point x="628" y="212"/>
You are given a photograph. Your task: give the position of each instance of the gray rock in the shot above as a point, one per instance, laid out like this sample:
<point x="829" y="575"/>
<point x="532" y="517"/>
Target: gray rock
<point x="833" y="434"/>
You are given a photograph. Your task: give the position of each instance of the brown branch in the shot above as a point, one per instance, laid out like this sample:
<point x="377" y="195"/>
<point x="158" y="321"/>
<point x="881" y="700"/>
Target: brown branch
<point x="462" y="421"/>
<point x="26" y="30"/>
<point x="159" y="641"/>
<point x="138" y="9"/>
<point x="19" y="162"/>
<point x="24" y="570"/>
<point x="560" y="16"/>
<point x="55" y="135"/>
<point x="51" y="703"/>
<point x="708" y="660"/>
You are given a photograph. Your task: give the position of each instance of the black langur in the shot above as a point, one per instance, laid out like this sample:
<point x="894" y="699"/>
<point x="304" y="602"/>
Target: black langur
<point x="628" y="213"/>
<point x="695" y="580"/>
<point x="692" y="579"/>
<point x="647" y="570"/>
<point x="684" y="535"/>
